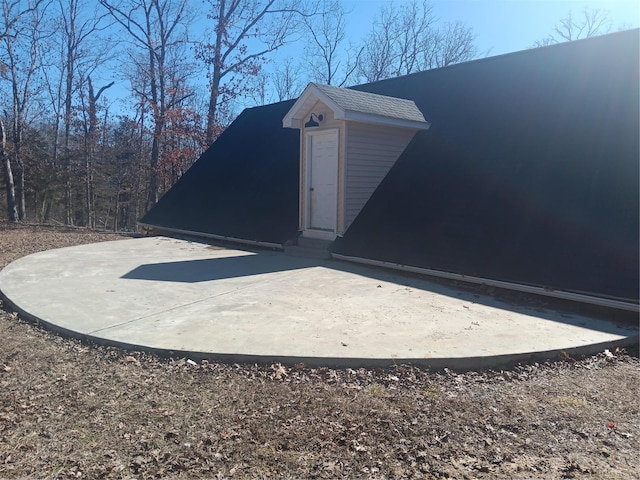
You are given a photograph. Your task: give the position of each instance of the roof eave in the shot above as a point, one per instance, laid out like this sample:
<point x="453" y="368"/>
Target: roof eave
<point x="387" y="121"/>
<point x="292" y="123"/>
<point x="293" y="119"/>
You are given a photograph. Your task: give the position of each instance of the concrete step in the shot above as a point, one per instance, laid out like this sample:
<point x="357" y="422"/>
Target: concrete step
<point x="314" y="243"/>
<point x="307" y="252"/>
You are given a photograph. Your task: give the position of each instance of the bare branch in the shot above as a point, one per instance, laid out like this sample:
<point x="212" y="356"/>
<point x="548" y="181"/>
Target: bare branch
<point x="407" y="40"/>
<point x="328" y="58"/>
<point x="9" y="21"/>
<point x="158" y="28"/>
<point x="454" y="44"/>
<point x="590" y="23"/>
<point x="286" y="80"/>
<point x="102" y="89"/>
<point x="244" y="32"/>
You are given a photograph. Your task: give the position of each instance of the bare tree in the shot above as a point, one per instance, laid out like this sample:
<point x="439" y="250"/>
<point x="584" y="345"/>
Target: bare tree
<point x="454" y="43"/>
<point x="183" y="138"/>
<point x="244" y="32"/>
<point x="17" y="9"/>
<point x="12" y="211"/>
<point x="91" y="135"/>
<point x="75" y="52"/>
<point x="589" y="23"/>
<point x="399" y="41"/>
<point x="415" y="36"/>
<point x="21" y="44"/>
<point x="407" y="39"/>
<point x="259" y="90"/>
<point x="330" y="62"/>
<point x="286" y="80"/>
<point x="157" y="28"/>
<point x="379" y="53"/>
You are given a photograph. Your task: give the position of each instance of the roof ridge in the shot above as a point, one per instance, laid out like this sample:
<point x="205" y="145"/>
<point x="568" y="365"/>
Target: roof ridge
<point x="528" y="51"/>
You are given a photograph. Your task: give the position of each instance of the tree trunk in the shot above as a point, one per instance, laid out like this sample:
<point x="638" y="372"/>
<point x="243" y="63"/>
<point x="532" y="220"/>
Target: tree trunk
<point x="88" y="192"/>
<point x="18" y="165"/>
<point x="154" y="183"/>
<point x="12" y="211"/>
<point x="157" y="98"/>
<point x="67" y="127"/>
<point x="140" y="167"/>
<point x="88" y="158"/>
<point x="43" y="208"/>
<point x="90" y="146"/>
<point x="20" y="195"/>
<point x="216" y="78"/>
<point x="211" y="113"/>
<point x="117" y="209"/>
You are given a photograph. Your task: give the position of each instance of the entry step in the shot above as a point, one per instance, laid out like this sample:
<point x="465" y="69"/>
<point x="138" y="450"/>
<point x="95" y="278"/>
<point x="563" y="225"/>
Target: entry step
<point x="310" y="248"/>
<point x="314" y="243"/>
<point x="307" y="252"/>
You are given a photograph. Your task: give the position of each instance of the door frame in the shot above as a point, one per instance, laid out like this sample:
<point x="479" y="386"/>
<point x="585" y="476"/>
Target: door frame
<point x="308" y="231"/>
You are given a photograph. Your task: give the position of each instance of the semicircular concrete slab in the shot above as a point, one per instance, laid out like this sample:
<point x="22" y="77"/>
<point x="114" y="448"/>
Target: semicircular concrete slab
<point x="185" y="298"/>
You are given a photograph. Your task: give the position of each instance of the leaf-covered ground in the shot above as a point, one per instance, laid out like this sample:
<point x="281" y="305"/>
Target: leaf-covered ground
<point x="72" y="410"/>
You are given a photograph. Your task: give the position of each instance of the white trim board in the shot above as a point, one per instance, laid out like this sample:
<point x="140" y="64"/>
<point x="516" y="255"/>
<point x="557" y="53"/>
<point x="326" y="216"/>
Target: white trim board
<point x="577" y="297"/>
<point x="244" y="241"/>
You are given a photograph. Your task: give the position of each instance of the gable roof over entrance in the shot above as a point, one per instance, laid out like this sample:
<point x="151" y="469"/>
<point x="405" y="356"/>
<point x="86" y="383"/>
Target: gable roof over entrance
<point x="355" y="105"/>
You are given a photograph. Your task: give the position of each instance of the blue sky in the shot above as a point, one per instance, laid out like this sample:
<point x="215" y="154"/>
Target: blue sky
<point x="500" y="26"/>
<point x="503" y="26"/>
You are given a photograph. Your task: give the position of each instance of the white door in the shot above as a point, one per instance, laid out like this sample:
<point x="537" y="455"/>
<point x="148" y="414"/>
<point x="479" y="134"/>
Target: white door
<point x="322" y="168"/>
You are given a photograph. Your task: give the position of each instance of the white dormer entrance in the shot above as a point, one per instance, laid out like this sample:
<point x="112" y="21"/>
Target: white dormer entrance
<point x="349" y="140"/>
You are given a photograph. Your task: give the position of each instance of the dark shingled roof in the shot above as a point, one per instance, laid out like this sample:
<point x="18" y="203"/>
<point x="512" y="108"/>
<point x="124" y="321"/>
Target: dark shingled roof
<point x="244" y="186"/>
<point x="529" y="173"/>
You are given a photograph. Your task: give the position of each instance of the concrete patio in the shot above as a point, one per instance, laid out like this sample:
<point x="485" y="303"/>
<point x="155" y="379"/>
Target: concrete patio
<point x="191" y="299"/>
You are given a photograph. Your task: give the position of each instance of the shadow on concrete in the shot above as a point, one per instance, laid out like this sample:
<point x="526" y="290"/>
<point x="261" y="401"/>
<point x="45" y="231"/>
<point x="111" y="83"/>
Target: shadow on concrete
<point x="205" y="270"/>
<point x="592" y="317"/>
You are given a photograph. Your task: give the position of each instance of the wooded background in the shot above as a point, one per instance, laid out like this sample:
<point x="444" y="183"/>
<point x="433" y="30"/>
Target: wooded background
<point x="72" y="155"/>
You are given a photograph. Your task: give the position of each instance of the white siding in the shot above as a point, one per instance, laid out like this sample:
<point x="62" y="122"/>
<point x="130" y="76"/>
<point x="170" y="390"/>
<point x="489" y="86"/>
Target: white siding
<point x="371" y="151"/>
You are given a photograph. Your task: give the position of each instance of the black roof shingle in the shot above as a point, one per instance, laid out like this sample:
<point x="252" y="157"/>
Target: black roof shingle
<point x="529" y="173"/>
<point x="244" y="186"/>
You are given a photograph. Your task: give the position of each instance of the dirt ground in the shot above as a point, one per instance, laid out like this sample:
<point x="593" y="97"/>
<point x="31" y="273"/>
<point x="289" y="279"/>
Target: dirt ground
<point x="73" y="410"/>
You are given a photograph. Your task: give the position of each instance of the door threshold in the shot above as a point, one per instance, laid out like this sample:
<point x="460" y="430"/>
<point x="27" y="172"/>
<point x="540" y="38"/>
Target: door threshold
<point x="320" y="234"/>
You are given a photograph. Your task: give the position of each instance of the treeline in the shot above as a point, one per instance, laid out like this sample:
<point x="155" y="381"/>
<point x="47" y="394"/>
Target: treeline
<point x="72" y="154"/>
<point x="98" y="182"/>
